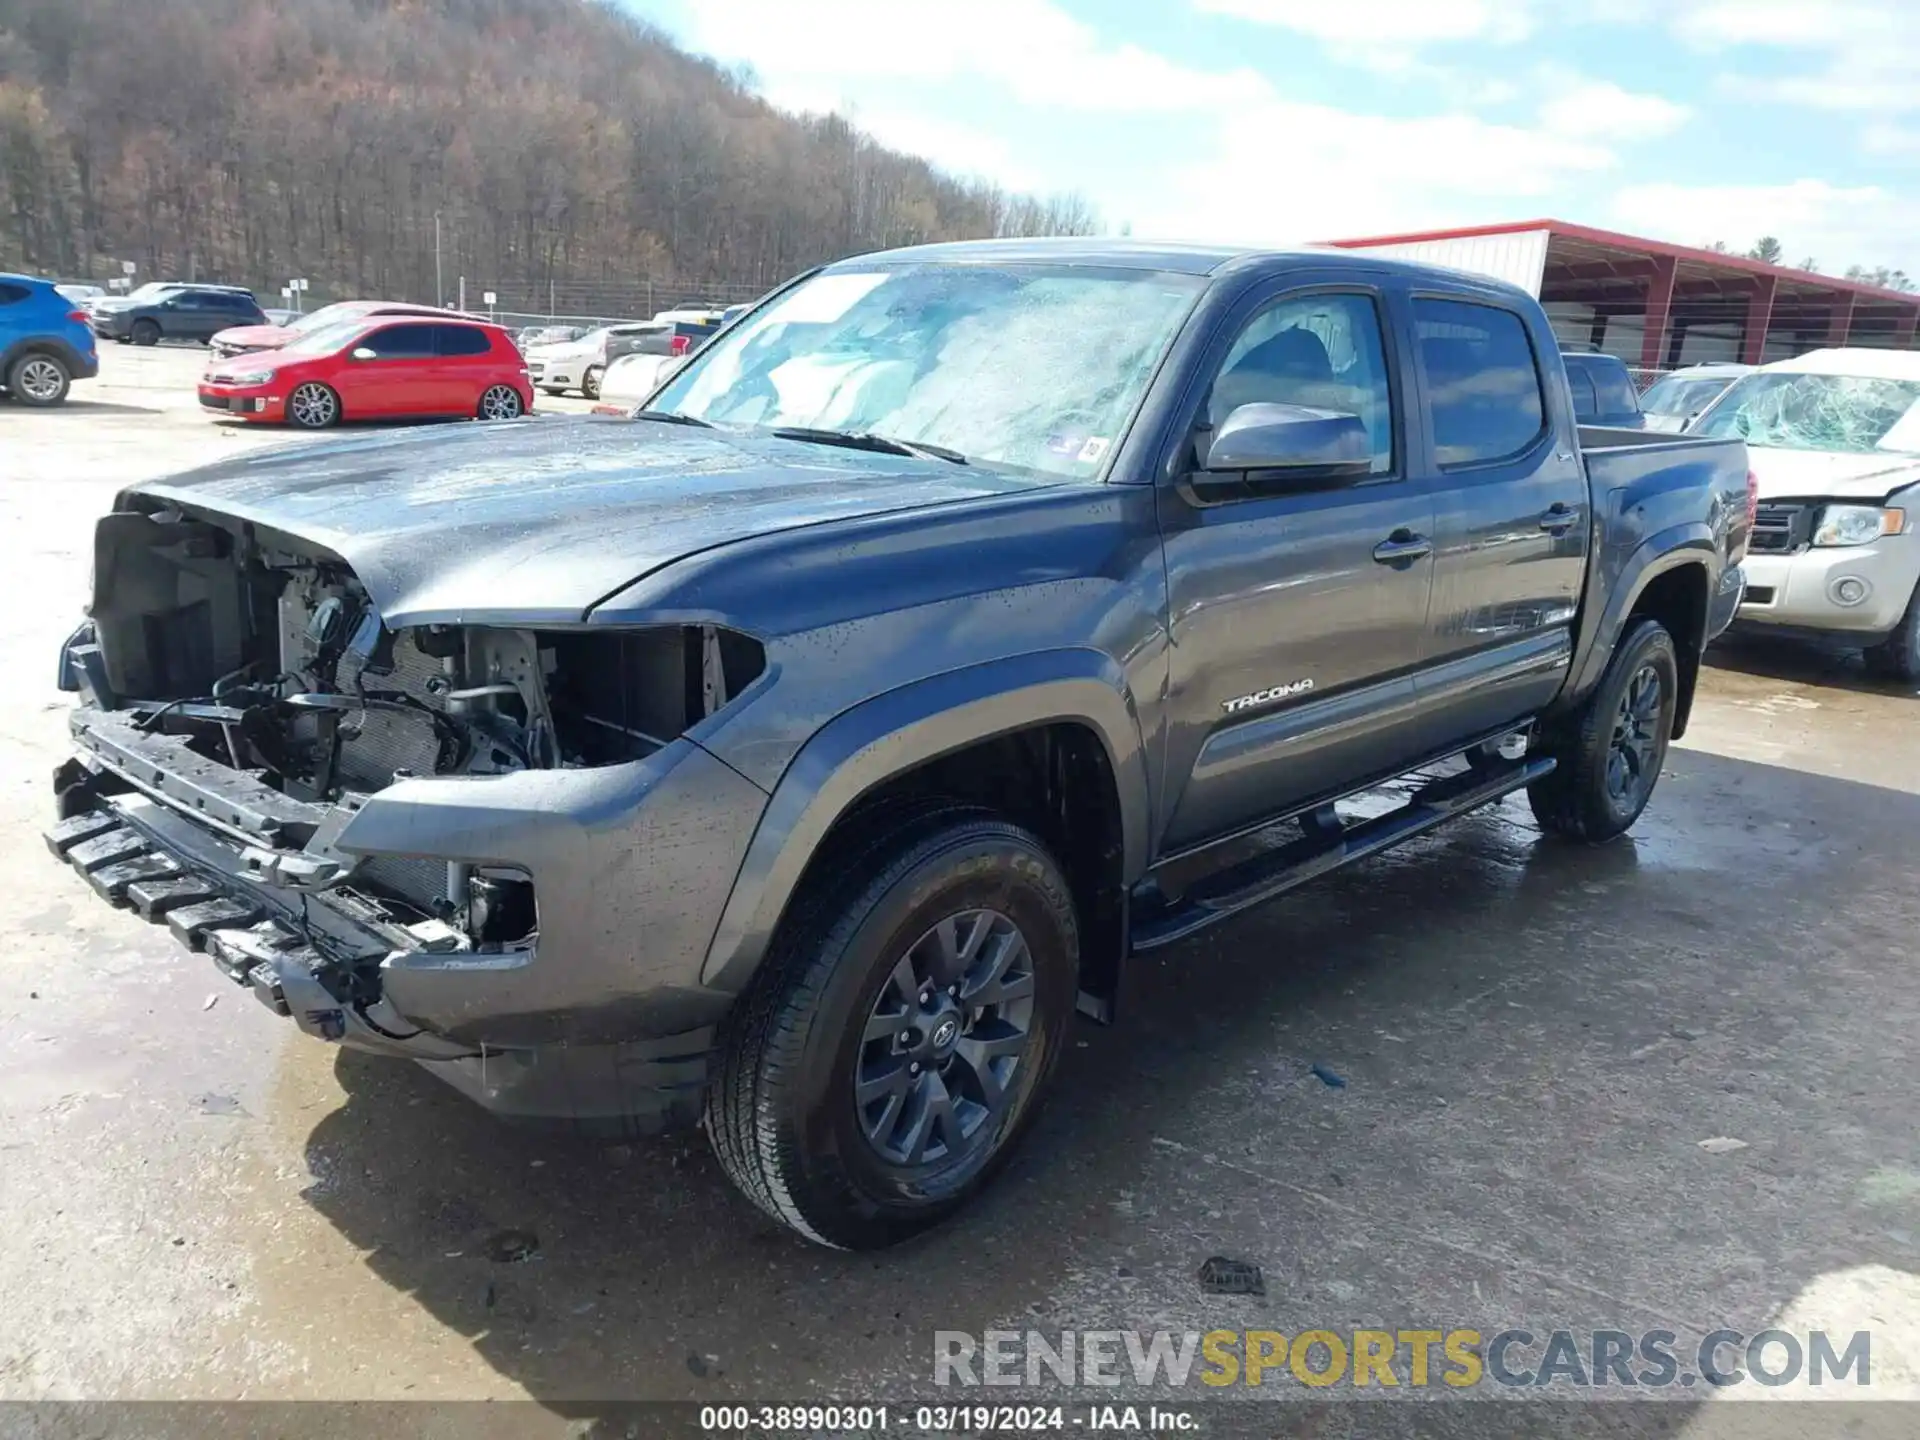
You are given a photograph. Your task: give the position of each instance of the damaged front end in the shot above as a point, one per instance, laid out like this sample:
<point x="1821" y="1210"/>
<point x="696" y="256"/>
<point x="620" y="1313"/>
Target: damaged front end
<point x="439" y="841"/>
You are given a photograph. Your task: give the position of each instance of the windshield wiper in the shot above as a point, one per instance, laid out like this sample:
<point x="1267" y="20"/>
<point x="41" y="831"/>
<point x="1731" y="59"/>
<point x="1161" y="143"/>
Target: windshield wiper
<point x="672" y="417"/>
<point x="867" y="440"/>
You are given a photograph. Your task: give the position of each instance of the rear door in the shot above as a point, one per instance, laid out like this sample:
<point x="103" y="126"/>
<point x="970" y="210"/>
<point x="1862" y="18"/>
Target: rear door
<point x="1298" y="608"/>
<point x="1511" y="514"/>
<point x="463" y="368"/>
<point x="389" y="371"/>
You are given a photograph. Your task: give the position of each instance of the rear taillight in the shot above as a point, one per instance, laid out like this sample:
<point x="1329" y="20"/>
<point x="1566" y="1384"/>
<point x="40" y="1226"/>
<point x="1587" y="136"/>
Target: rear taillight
<point x="79" y="317"/>
<point x="681" y="344"/>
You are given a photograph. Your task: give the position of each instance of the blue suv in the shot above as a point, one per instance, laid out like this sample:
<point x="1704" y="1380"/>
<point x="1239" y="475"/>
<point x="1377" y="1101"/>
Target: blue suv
<point x="45" y="343"/>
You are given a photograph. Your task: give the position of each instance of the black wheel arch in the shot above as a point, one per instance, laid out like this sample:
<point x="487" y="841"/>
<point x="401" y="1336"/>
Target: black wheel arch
<point x="1049" y="742"/>
<point x="1669" y="577"/>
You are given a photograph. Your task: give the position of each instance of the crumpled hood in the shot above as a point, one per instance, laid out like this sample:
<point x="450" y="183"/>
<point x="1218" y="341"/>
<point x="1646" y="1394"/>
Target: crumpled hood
<point x="1817" y="474"/>
<point x="535" y="521"/>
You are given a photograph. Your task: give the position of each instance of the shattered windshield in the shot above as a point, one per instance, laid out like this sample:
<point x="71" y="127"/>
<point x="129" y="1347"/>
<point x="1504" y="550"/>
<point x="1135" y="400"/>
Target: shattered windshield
<point x="1035" y="367"/>
<point x="1839" y="414"/>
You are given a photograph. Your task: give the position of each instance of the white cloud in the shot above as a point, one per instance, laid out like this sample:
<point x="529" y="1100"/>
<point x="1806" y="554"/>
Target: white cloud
<point x="1394" y="24"/>
<point x="1601" y="110"/>
<point x="1865" y="52"/>
<point x="1838" y="225"/>
<point x="1031" y="48"/>
<point x="1347" y="174"/>
<point x="957" y="149"/>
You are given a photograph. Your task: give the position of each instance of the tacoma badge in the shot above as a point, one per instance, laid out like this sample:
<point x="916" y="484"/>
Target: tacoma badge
<point x="1267" y="697"/>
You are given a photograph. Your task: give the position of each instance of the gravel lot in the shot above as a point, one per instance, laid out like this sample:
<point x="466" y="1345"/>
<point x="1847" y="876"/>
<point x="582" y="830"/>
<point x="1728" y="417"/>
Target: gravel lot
<point x="1534" y="1040"/>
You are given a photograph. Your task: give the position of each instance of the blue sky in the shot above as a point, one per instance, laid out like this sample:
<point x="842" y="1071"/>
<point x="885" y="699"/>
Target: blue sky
<point x="1271" y="121"/>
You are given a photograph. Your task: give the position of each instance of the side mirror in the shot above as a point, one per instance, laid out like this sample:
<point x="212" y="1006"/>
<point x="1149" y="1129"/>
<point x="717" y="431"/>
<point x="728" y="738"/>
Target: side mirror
<point x="363" y="353"/>
<point x="1295" y="438"/>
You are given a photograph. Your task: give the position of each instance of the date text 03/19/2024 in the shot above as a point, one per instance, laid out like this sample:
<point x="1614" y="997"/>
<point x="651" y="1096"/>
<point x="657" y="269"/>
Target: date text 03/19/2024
<point x="946" y="1419"/>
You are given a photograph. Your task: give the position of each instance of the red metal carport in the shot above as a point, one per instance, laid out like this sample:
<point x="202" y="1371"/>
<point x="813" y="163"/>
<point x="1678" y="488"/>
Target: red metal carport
<point x="1658" y="305"/>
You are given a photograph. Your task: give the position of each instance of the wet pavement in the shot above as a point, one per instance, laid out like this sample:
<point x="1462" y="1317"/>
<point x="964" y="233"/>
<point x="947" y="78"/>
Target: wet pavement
<point x="1533" y="1040"/>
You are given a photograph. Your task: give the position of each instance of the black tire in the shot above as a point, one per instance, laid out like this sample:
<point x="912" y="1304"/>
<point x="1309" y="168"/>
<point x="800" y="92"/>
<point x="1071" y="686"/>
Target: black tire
<point x="146" y="332"/>
<point x="590" y="382"/>
<point x="40" y="378"/>
<point x="313" y="406"/>
<point x="782" y="1110"/>
<point x="1898" y="656"/>
<point x="500" y="402"/>
<point x="1582" y="799"/>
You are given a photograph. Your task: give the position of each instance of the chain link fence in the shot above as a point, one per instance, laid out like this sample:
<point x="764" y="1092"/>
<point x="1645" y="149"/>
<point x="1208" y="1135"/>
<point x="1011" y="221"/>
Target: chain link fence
<point x="521" y="306"/>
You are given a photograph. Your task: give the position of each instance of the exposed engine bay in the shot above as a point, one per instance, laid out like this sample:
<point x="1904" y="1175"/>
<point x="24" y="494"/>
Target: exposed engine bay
<point x="257" y="654"/>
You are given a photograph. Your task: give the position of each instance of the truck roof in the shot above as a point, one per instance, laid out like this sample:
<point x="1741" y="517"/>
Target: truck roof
<point x="1859" y="360"/>
<point x="1181" y="257"/>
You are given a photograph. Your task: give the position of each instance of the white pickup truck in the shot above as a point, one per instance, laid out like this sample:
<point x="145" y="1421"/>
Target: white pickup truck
<point x="1834" y="441"/>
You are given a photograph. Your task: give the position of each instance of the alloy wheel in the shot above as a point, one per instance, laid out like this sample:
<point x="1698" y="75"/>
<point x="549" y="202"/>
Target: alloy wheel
<point x="1633" y="755"/>
<point x="39" y="379"/>
<point x="312" y="406"/>
<point x="944" y="1040"/>
<point x="501" y="402"/>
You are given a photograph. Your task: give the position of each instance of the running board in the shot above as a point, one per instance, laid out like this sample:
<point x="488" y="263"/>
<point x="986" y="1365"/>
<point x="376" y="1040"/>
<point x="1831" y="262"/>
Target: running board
<point x="1326" y="848"/>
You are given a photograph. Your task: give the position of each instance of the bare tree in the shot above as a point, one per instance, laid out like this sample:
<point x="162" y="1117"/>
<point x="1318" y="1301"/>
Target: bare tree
<point x="563" y="144"/>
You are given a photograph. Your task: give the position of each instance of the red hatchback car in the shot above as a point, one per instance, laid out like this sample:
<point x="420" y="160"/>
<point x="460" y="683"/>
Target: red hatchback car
<point x="378" y="368"/>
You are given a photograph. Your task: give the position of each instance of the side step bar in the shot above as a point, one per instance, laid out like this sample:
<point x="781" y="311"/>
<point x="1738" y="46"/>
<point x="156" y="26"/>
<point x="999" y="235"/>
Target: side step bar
<point x="1326" y="847"/>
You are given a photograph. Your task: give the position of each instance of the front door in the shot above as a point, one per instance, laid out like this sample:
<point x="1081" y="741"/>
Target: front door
<point x="1297" y="610"/>
<point x="1511" y="518"/>
<point x="394" y="376"/>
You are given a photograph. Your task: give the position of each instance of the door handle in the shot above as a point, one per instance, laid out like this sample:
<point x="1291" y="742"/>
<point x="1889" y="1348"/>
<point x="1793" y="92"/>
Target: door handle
<point x="1558" y="518"/>
<point x="1402" y="547"/>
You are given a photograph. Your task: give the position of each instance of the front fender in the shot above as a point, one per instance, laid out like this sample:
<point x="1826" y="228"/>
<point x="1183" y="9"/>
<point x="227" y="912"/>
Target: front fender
<point x="894" y="733"/>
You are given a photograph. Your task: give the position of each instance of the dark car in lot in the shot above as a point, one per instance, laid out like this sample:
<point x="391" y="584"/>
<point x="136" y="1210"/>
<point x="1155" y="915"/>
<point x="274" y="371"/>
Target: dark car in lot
<point x="45" y="342"/>
<point x="1603" y="391"/>
<point x="183" y="312"/>
<point x="802" y="754"/>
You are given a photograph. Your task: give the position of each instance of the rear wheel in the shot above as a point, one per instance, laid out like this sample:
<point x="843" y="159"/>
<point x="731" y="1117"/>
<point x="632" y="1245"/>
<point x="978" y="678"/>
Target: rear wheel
<point x="590" y="382"/>
<point x="895" y="1043"/>
<point x="39" y="380"/>
<point x="1898" y="656"/>
<point x="500" y="402"/>
<point x="146" y="332"/>
<point x="313" y="406"/>
<point x="1610" y="752"/>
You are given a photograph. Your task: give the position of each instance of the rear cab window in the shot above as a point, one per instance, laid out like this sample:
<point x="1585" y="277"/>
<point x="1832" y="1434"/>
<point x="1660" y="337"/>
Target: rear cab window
<point x="1485" y="400"/>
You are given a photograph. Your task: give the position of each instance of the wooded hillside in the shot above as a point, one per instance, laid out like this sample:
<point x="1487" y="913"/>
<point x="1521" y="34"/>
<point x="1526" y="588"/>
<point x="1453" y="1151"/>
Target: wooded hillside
<point x="565" y="146"/>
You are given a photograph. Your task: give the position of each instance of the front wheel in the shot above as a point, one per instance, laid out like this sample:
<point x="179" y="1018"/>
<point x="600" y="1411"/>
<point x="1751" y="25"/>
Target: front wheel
<point x="590" y="382"/>
<point x="1611" y="750"/>
<point x="1898" y="656"/>
<point x="500" y="402"/>
<point x="313" y="406"/>
<point x="896" y="1041"/>
<point x="39" y="380"/>
<point x="146" y="332"/>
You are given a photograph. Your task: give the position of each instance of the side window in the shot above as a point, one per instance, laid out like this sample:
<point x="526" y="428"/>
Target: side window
<point x="1323" y="351"/>
<point x="401" y="342"/>
<point x="461" y="340"/>
<point x="1483" y="381"/>
<point x="1586" y="404"/>
<point x="12" y="294"/>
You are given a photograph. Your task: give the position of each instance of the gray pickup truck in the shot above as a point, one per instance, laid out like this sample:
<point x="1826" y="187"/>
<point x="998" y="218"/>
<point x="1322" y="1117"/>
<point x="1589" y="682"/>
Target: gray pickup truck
<point x="801" y="753"/>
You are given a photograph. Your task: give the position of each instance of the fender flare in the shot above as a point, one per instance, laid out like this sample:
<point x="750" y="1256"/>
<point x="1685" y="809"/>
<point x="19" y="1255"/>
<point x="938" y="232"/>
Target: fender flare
<point x="887" y="736"/>
<point x="1660" y="553"/>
